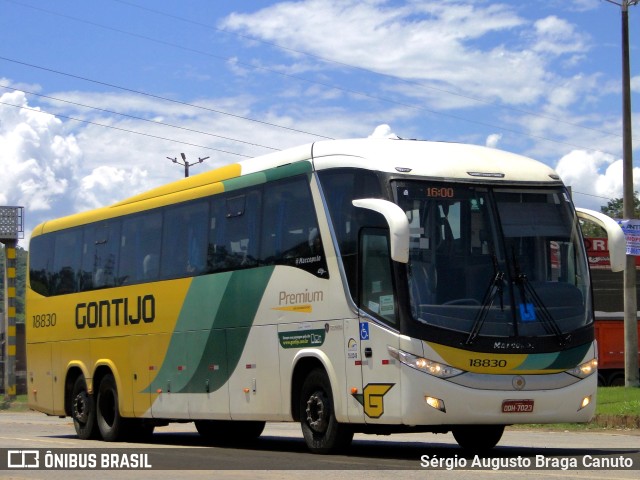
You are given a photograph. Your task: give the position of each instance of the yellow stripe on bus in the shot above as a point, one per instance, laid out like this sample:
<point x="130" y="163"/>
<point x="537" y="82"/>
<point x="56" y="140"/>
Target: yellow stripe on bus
<point x="296" y="308"/>
<point x="479" y="362"/>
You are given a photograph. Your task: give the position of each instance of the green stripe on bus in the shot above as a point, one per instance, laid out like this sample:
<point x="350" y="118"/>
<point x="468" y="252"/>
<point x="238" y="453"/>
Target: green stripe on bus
<point x="571" y="358"/>
<point x="555" y="360"/>
<point x="297" y="168"/>
<point x="258" y="178"/>
<point x="211" y="331"/>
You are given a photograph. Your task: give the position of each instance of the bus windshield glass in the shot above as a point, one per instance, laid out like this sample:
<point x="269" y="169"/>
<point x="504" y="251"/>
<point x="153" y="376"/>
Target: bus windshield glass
<point x="495" y="262"/>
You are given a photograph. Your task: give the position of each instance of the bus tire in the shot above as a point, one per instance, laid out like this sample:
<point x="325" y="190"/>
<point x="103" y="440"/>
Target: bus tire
<point x="111" y="424"/>
<point x="83" y="411"/>
<point x="478" y="438"/>
<point x="322" y="432"/>
<point x="229" y="431"/>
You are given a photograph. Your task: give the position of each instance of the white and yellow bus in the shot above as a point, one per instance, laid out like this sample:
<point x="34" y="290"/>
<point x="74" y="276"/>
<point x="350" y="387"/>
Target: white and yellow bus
<point x="371" y="285"/>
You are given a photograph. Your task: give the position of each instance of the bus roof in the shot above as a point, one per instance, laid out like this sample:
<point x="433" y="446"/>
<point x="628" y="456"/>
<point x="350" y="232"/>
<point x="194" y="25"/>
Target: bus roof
<point x="410" y="157"/>
<point x="432" y="160"/>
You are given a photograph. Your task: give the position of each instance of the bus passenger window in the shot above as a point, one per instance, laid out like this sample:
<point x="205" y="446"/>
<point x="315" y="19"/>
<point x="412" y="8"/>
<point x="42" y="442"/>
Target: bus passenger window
<point x="100" y="255"/>
<point x="217" y="250"/>
<point x="290" y="233"/>
<point x="66" y="261"/>
<point x="184" y="240"/>
<point x="233" y="232"/>
<point x="40" y="253"/>
<point x="140" y="248"/>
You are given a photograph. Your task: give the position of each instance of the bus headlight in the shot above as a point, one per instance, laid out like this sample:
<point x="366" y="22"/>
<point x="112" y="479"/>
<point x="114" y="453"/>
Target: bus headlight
<point x="437" y="369"/>
<point x="585" y="369"/>
<point x="585" y="402"/>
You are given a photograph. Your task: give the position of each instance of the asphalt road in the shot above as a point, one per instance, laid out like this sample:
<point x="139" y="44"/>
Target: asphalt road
<point x="177" y="451"/>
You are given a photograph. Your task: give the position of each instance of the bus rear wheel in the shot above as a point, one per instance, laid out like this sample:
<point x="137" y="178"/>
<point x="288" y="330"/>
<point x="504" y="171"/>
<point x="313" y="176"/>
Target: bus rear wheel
<point x="83" y="410"/>
<point x="321" y="430"/>
<point x="478" y="438"/>
<point x="111" y="424"/>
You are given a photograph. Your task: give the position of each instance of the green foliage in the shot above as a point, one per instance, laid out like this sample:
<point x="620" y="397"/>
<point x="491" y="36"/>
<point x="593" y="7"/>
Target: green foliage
<point x="614" y="207"/>
<point x="591" y="230"/>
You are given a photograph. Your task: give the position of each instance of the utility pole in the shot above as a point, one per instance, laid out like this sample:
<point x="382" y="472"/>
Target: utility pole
<point x="630" y="299"/>
<point x="11" y="228"/>
<point x="185" y="163"/>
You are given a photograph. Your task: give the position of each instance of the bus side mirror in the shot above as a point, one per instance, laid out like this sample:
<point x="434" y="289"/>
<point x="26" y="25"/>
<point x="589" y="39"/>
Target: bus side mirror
<point x="398" y="225"/>
<point x="615" y="235"/>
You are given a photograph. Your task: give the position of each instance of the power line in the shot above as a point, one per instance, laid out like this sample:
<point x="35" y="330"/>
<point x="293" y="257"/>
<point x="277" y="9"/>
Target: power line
<point x="22" y="107"/>
<point x="366" y="70"/>
<point x="158" y="97"/>
<point x="592" y="195"/>
<point x="330" y="86"/>
<point x="156" y="122"/>
<point x="324" y="59"/>
<point x="406" y="105"/>
<point x="178" y="141"/>
<point x="161" y="123"/>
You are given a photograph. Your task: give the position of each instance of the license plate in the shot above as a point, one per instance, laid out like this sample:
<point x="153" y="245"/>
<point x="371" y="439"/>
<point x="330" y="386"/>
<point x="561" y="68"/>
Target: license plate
<point x="517" y="406"/>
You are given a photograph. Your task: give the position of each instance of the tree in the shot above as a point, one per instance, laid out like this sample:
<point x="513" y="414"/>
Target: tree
<point x="591" y="230"/>
<point x="614" y="207"/>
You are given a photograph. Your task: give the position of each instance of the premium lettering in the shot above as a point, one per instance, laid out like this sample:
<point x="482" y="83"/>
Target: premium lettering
<point x="287" y="298"/>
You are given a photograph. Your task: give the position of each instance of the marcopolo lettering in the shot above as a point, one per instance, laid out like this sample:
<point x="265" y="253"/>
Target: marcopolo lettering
<point x="116" y="312"/>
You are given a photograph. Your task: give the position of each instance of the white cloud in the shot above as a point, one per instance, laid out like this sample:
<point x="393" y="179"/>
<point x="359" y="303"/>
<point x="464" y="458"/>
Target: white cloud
<point x="47" y="170"/>
<point x="557" y="36"/>
<point x="383" y="131"/>
<point x="579" y="5"/>
<point x="493" y="140"/>
<point x="594" y="177"/>
<point x="442" y="43"/>
<point x="96" y="189"/>
<point x="37" y="158"/>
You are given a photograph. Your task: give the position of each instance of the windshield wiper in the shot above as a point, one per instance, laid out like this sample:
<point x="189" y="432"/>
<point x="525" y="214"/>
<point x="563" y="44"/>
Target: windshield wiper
<point x="496" y="286"/>
<point x="528" y="309"/>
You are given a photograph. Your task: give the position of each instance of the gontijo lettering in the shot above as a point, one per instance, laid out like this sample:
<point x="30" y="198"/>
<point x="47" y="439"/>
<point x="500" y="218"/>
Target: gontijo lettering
<point x="116" y="312"/>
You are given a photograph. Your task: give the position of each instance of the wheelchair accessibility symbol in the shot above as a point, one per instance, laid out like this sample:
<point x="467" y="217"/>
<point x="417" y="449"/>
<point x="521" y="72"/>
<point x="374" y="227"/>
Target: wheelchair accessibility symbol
<point x="364" y="331"/>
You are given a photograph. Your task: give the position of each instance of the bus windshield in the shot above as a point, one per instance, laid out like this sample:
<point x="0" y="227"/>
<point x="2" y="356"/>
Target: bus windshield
<point x="495" y="262"/>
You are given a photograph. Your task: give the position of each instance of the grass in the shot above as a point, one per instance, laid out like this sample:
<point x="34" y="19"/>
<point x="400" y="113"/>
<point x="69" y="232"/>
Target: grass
<point x="618" y="401"/>
<point x="19" y="404"/>
<point x="617" y="408"/>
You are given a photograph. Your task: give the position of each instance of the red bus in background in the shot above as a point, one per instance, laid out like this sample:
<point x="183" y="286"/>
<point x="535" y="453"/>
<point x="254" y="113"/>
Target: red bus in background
<point x="608" y="303"/>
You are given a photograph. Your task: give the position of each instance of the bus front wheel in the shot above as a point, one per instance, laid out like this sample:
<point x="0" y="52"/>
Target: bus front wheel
<point x="478" y="438"/>
<point x="83" y="410"/>
<point x="321" y="430"/>
<point x="110" y="423"/>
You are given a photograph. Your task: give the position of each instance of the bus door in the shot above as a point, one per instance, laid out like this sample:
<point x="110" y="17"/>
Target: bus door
<point x="381" y="393"/>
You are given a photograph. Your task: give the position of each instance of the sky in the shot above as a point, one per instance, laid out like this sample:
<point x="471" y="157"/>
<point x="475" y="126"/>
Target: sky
<point x="97" y="97"/>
